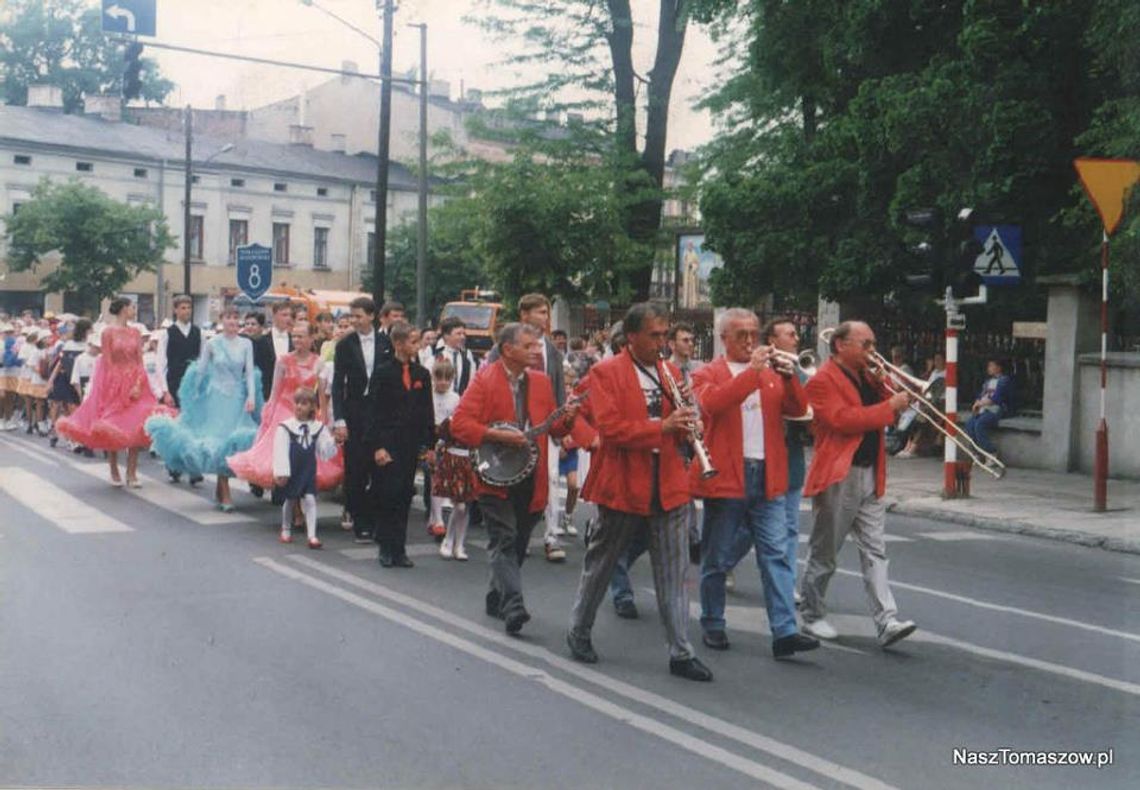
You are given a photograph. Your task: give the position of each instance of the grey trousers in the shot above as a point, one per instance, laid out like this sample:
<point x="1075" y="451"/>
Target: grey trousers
<point x="849" y="506"/>
<point x="669" y="556"/>
<point x="509" y="525"/>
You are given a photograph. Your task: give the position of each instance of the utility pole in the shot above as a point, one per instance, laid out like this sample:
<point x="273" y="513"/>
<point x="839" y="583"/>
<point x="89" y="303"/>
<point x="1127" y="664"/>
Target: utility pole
<point x="188" y="121"/>
<point x="421" y="223"/>
<point x="382" y="147"/>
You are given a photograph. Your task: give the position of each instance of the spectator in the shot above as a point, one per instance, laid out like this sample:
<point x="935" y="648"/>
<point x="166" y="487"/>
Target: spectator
<point x="560" y="339"/>
<point x="993" y="402"/>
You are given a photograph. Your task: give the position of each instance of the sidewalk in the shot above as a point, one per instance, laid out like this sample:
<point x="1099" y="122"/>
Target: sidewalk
<point x="1026" y="501"/>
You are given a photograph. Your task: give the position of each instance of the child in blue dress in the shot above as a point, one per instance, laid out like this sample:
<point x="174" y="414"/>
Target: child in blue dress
<point x="297" y="444"/>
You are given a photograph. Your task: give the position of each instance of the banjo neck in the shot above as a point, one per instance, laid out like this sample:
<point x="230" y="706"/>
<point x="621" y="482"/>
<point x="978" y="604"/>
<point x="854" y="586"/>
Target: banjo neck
<point x="535" y="431"/>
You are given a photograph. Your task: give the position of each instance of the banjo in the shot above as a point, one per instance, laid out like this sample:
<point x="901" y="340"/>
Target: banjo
<point x="504" y="464"/>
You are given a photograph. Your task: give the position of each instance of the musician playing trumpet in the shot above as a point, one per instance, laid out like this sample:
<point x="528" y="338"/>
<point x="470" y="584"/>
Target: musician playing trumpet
<point x="745" y="394"/>
<point x="848" y="477"/>
<point x="512" y="389"/>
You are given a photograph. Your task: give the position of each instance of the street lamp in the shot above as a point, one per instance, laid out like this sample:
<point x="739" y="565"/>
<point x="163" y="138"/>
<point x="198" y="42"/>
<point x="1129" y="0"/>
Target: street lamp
<point x="186" y="198"/>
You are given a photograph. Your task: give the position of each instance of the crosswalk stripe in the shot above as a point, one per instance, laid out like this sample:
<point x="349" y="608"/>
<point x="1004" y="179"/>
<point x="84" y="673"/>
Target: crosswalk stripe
<point x="953" y="535"/>
<point x="53" y="504"/>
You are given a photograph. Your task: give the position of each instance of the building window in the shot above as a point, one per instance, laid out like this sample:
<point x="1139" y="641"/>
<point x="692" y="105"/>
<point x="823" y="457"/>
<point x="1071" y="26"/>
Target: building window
<point x="194" y="179"/>
<point x="237" y="182"/>
<point x="370" y="248"/>
<point x="280" y="244"/>
<point x="372" y="195"/>
<point x="84" y="167"/>
<point x="322" y="191"/>
<point x="239" y="237"/>
<point x="16" y="208"/>
<point x="22" y="159"/>
<point x="197" y="233"/>
<point x="140" y="172"/>
<point x="280" y="187"/>
<point x="320" y="248"/>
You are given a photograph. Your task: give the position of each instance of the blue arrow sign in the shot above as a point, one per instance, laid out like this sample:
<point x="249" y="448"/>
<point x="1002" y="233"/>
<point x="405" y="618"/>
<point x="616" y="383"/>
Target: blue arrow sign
<point x="1000" y="260"/>
<point x="254" y="270"/>
<point x="137" y="17"/>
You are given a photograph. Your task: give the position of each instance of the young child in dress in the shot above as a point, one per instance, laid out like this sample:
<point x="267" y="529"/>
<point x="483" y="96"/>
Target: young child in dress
<point x="298" y="443"/>
<point x="454" y="481"/>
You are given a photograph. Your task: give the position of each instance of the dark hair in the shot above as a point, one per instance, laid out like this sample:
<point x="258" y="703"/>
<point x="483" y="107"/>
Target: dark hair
<point x="325" y="316"/>
<point x="400" y="330"/>
<point x="769" y="328"/>
<point x="183" y="299"/>
<point x="577" y="344"/>
<point x="450" y="324"/>
<point x="1000" y="362"/>
<point x="530" y="302"/>
<point x="256" y="316"/>
<point x="390" y="307"/>
<point x="118" y="304"/>
<point x="279" y="306"/>
<point x="617" y="342"/>
<point x="841" y="333"/>
<point x="510" y="333"/>
<point x="231" y="311"/>
<point x="681" y="326"/>
<point x="82" y="328"/>
<point x="364" y="303"/>
<point x="641" y="312"/>
<point x="559" y="333"/>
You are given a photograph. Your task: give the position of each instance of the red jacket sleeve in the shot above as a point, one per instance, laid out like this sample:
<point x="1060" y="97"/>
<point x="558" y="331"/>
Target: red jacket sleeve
<point x="468" y="425"/>
<point x="834" y="414"/>
<point x="715" y="398"/>
<point x="795" y="398"/>
<point x="614" y="427"/>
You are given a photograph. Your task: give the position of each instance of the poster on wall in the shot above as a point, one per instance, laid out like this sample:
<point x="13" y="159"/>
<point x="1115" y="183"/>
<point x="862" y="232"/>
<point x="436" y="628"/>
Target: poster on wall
<point x="694" y="265"/>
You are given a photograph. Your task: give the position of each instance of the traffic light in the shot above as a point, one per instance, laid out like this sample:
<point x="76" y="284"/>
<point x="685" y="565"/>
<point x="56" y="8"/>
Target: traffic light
<point x="927" y="270"/>
<point x="964" y="281"/>
<point x="132" y="71"/>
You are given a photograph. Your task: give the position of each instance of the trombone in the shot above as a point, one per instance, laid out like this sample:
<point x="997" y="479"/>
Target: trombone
<point x="898" y="380"/>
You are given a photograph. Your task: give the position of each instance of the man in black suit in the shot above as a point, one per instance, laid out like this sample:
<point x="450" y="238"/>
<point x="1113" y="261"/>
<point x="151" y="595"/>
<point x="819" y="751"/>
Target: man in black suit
<point x="453" y="346"/>
<point x="403" y="426"/>
<point x="358" y="356"/>
<point x="277" y="342"/>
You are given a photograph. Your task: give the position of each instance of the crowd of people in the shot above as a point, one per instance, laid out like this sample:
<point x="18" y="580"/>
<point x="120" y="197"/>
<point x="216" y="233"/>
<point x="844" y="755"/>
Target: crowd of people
<point x="628" y="420"/>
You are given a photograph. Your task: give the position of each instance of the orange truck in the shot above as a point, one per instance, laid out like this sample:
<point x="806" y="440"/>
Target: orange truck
<point x="479" y="310"/>
<point x="314" y="301"/>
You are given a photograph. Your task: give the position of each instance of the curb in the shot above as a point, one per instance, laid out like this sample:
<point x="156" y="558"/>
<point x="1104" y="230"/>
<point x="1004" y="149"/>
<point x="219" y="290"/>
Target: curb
<point x="1124" y="545"/>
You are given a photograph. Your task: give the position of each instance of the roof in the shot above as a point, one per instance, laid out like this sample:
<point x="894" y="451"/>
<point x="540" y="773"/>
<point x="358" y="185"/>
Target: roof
<point x="43" y="128"/>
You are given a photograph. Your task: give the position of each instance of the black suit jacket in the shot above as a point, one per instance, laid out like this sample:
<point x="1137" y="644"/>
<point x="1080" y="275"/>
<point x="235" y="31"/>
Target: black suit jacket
<point x="350" y="380"/>
<point x="403" y="420"/>
<point x="265" y="359"/>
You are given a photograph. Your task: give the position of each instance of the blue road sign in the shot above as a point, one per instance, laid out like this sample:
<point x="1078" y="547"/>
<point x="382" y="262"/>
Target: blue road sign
<point x="254" y="270"/>
<point x="137" y="17"/>
<point x="1000" y="261"/>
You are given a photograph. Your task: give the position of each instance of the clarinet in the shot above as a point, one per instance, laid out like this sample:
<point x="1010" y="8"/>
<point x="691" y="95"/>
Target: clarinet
<point x="696" y="435"/>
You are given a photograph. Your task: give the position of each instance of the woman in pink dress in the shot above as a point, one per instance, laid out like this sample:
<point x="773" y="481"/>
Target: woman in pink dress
<point x="301" y="368"/>
<point x="119" y="400"/>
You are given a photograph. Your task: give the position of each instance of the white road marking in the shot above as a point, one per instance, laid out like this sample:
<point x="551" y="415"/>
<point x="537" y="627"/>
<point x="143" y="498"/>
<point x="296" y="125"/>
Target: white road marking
<point x="953" y="535"/>
<point x="755" y="740"/>
<point x="53" y="504"/>
<point x="1130" y="581"/>
<point x="805" y="536"/>
<point x="646" y="724"/>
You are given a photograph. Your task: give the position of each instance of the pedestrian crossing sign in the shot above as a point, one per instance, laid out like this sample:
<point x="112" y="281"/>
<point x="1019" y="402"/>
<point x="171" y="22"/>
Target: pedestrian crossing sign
<point x="1000" y="260"/>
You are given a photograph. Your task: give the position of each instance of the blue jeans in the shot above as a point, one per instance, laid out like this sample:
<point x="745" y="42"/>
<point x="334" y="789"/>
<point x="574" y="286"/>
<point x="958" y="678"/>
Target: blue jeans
<point x="621" y="588"/>
<point x="730" y="526"/>
<point x="792" y="501"/>
<point x="978" y="428"/>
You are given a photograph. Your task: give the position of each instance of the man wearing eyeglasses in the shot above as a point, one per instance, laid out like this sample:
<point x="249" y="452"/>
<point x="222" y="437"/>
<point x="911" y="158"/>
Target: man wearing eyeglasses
<point x="848" y="477"/>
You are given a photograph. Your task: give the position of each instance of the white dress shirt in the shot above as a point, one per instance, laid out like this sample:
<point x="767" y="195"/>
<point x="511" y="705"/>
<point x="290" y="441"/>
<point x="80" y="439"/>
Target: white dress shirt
<point x="368" y="348"/>
<point x="280" y="342"/>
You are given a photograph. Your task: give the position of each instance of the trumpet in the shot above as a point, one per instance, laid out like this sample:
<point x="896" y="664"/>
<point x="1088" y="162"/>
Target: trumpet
<point x="696" y="434"/>
<point x="897" y="380"/>
<point x="805" y="360"/>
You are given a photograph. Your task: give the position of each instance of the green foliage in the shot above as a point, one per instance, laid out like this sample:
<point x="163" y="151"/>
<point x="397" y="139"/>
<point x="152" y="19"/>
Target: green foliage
<point x="848" y="113"/>
<point x="60" y="42"/>
<point x="101" y="244"/>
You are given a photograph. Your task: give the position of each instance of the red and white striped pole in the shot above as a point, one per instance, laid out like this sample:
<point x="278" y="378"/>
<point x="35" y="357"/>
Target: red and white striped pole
<point x="1100" y="463"/>
<point x="950" y="457"/>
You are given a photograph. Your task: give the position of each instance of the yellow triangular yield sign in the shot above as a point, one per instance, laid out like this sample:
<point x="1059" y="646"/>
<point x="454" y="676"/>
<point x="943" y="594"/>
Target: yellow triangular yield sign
<point x="1106" y="182"/>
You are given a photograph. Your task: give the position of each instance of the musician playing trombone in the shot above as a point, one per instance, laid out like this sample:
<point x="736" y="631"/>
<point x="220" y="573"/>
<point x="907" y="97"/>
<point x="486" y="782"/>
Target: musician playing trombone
<point x="848" y="477"/>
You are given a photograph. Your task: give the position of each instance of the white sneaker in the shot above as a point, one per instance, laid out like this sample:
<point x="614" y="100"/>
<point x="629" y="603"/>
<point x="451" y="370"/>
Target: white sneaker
<point x="566" y="525"/>
<point x="895" y="630"/>
<point x="729" y="581"/>
<point x="445" y="550"/>
<point x="820" y="629"/>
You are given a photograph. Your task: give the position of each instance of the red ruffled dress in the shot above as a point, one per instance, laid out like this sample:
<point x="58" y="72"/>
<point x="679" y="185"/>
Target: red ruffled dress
<point x="112" y="416"/>
<point x="255" y="465"/>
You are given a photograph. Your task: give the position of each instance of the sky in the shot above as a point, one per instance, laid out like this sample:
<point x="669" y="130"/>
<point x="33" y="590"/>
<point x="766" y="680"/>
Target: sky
<point x="457" y="52"/>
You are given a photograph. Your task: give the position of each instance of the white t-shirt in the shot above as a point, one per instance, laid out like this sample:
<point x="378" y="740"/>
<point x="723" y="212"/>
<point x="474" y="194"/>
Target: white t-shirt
<point x="752" y="417"/>
<point x="651" y="389"/>
<point x="84" y="368"/>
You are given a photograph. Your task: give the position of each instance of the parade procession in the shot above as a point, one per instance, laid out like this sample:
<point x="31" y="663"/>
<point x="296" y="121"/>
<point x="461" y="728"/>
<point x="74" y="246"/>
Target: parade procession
<point x="335" y="422"/>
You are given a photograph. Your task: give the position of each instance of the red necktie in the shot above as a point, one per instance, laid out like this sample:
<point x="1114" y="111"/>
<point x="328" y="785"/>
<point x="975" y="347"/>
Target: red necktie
<point x="407" y="376"/>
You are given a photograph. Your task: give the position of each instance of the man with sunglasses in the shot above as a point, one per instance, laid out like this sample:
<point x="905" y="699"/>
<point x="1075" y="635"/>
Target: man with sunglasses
<point x="848" y="477"/>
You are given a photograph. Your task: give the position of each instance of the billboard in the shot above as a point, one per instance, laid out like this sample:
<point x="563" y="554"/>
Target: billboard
<point x="694" y="265"/>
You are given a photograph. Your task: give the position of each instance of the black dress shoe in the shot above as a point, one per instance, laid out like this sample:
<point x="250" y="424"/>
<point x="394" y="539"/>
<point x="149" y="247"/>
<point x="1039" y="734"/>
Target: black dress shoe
<point x="175" y="477"/>
<point x="793" y="643"/>
<point x="196" y="479"/>
<point x="516" y="620"/>
<point x="695" y="553"/>
<point x="386" y="560"/>
<point x="580" y="648"/>
<point x="626" y="608"/>
<point x="403" y="561"/>
<point x="717" y="640"/>
<point x="690" y="669"/>
<point x="494" y="604"/>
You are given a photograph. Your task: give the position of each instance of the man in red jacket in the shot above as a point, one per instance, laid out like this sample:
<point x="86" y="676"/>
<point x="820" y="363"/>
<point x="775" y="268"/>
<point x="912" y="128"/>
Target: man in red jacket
<point x="744" y="401"/>
<point x="638" y="481"/>
<point x="510" y="390"/>
<point x="848" y="477"/>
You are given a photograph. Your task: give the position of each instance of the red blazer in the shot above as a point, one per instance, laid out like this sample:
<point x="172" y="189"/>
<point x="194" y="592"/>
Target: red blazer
<point x="619" y="476"/>
<point x="720" y="395"/>
<point x="841" y="419"/>
<point x="489" y="399"/>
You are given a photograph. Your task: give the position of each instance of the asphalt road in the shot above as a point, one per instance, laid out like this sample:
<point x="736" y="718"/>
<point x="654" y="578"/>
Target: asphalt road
<point x="147" y="640"/>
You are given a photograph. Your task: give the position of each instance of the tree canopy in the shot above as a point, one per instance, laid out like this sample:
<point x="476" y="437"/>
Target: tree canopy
<point x="97" y="244"/>
<point x="61" y="43"/>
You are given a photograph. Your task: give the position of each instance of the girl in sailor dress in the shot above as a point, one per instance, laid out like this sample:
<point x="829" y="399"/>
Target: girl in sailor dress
<point x="297" y="444"/>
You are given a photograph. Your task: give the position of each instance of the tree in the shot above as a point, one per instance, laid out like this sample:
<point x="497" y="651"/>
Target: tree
<point x="98" y="244"/>
<point x="60" y="42"/>
<point x="586" y="51"/>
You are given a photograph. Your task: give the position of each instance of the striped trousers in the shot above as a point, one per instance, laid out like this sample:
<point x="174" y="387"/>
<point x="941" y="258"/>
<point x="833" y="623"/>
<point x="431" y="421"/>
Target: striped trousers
<point x="669" y="555"/>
